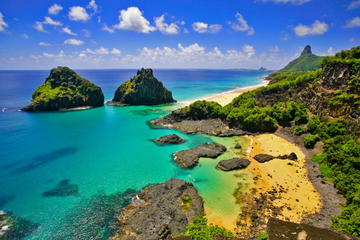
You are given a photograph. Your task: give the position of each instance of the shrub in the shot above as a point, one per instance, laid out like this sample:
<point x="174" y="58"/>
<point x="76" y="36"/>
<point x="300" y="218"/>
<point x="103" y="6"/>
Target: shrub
<point x="299" y="130"/>
<point x="263" y="236"/>
<point x="311" y="140"/>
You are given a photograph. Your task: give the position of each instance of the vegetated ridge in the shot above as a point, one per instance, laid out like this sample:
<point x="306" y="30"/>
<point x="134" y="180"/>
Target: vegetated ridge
<point x="64" y="89"/>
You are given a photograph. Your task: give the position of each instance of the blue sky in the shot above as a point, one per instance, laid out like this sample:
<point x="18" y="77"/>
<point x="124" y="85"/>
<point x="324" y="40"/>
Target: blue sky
<point x="98" y="34"/>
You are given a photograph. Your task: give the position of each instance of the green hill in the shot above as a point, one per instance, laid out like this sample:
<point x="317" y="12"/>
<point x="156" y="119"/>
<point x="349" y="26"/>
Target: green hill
<point x="306" y="62"/>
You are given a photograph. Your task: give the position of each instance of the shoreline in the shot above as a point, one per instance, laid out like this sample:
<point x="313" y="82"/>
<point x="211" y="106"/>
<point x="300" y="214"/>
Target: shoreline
<point x="225" y="98"/>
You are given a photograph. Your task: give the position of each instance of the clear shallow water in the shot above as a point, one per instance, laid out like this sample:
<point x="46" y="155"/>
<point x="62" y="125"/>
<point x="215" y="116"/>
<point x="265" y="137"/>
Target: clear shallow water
<point x="103" y="149"/>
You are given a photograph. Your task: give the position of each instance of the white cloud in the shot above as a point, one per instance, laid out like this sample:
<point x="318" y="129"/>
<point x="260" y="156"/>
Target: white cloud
<point x="99" y="19"/>
<point x="201" y="27"/>
<point x="74" y="42"/>
<point x="286" y="36"/>
<point x="25" y="36"/>
<point x="101" y="50"/>
<point x="164" y="28"/>
<point x="274" y="49"/>
<point x="49" y="55"/>
<point x="354" y="5"/>
<point x="351" y="40"/>
<point x="36" y="57"/>
<point x="186" y="31"/>
<point x="317" y="28"/>
<point x="92" y="5"/>
<point x="45" y="44"/>
<point x="86" y="33"/>
<point x="49" y="21"/>
<point x="132" y="19"/>
<point x="355" y="22"/>
<point x="93" y="41"/>
<point x="106" y="28"/>
<point x="3" y="24"/>
<point x="55" y="9"/>
<point x="39" y="26"/>
<point x="116" y="51"/>
<point x="242" y="25"/>
<point x="294" y="2"/>
<point x="329" y="52"/>
<point x="78" y="14"/>
<point x="68" y="31"/>
<point x="249" y="50"/>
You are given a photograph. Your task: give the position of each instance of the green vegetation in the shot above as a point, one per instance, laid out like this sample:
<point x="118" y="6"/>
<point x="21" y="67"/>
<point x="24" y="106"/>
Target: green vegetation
<point x="64" y="82"/>
<point x="310" y="141"/>
<point x="200" y="230"/>
<point x="306" y="62"/>
<point x="263" y="236"/>
<point x="351" y="57"/>
<point x="299" y="130"/>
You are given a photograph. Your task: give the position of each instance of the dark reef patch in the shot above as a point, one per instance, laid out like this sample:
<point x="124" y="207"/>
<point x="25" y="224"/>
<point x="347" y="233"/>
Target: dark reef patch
<point x="16" y="228"/>
<point x="4" y="199"/>
<point x="63" y="189"/>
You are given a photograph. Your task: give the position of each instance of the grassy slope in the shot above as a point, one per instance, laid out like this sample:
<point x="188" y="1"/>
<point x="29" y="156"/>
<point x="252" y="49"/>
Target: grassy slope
<point x="306" y="62"/>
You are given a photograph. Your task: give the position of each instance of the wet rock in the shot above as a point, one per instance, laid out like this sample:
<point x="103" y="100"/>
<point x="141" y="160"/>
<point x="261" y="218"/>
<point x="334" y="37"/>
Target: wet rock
<point x="261" y="158"/>
<point x="13" y="227"/>
<point x="170" y="139"/>
<point x="278" y="230"/>
<point x="63" y="189"/>
<point x="233" y="164"/>
<point x="166" y="210"/>
<point x="238" y="146"/>
<point x="190" y="158"/>
<point x="143" y="89"/>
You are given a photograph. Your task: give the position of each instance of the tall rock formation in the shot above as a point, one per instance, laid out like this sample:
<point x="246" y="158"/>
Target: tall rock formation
<point x="306" y="50"/>
<point x="143" y="89"/>
<point x="64" y="89"/>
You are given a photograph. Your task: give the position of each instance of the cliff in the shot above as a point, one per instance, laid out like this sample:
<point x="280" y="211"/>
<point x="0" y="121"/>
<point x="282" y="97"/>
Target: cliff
<point x="143" y="89"/>
<point x="64" y="89"/>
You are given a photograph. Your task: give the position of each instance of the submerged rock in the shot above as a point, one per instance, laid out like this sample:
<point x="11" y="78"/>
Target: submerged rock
<point x="233" y="164"/>
<point x="190" y="158"/>
<point x="143" y="89"/>
<point x="15" y="228"/>
<point x="63" y="189"/>
<point x="278" y="230"/>
<point x="170" y="139"/>
<point x="162" y="211"/>
<point x="64" y="89"/>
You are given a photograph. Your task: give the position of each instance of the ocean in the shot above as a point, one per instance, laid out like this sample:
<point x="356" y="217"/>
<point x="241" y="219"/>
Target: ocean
<point x="104" y="150"/>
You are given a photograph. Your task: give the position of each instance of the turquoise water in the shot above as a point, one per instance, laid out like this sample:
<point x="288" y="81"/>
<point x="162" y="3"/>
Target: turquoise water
<point x="105" y="149"/>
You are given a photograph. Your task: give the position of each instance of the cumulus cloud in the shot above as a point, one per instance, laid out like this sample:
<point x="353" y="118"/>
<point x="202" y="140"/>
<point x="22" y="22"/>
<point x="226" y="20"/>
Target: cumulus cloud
<point x="106" y="28"/>
<point x="86" y="33"/>
<point x="74" y="42"/>
<point x="92" y="5"/>
<point x="40" y="27"/>
<point x="186" y="31"/>
<point x="101" y="50"/>
<point x="55" y="9"/>
<point x="116" y="51"/>
<point x="294" y="2"/>
<point x="329" y="52"/>
<point x="241" y="25"/>
<point x="3" y="24"/>
<point x="274" y="49"/>
<point x="249" y="50"/>
<point x="49" y="55"/>
<point x="99" y="19"/>
<point x="25" y="36"/>
<point x="77" y="13"/>
<point x="132" y="19"/>
<point x="49" y="21"/>
<point x="317" y="28"/>
<point x="45" y="44"/>
<point x="355" y="22"/>
<point x="68" y="31"/>
<point x="354" y="5"/>
<point x="165" y="28"/>
<point x="201" y="27"/>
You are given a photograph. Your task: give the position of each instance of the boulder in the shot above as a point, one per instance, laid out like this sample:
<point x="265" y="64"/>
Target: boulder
<point x="170" y="139"/>
<point x="143" y="89"/>
<point x="190" y="158"/>
<point x="162" y="211"/>
<point x="261" y="158"/>
<point x="64" y="89"/>
<point x="233" y="164"/>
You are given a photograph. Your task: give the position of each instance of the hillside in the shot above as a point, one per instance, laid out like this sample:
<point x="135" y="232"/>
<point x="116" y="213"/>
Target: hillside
<point x="319" y="106"/>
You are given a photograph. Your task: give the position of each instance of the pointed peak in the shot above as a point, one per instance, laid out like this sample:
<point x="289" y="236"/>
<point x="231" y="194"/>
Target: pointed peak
<point x="306" y="50"/>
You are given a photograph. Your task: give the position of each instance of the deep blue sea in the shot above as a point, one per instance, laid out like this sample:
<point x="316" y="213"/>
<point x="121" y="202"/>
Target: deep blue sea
<point x="106" y="149"/>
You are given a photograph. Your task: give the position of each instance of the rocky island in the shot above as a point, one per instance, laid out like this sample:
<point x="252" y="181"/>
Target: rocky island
<point x="64" y="89"/>
<point x="143" y="89"/>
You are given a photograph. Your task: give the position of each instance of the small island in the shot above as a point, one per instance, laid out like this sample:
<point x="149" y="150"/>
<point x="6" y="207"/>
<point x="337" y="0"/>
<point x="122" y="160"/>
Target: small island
<point x="143" y="89"/>
<point x="64" y="90"/>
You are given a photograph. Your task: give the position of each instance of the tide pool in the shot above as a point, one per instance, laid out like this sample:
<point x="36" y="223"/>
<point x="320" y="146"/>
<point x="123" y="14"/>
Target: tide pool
<point x="106" y="149"/>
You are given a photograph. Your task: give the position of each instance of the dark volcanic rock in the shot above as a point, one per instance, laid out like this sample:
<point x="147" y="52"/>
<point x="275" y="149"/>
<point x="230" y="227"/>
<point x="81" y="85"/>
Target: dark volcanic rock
<point x="143" y="89"/>
<point x="162" y="211"/>
<point x="15" y="228"/>
<point x="233" y="164"/>
<point x="261" y="158"/>
<point x="278" y="230"/>
<point x="190" y="158"/>
<point x="306" y="50"/>
<point x="64" y="89"/>
<point x="63" y="189"/>
<point x="170" y="139"/>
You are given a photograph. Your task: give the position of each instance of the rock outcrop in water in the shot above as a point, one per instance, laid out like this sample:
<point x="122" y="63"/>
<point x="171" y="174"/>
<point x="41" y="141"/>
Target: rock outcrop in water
<point x="161" y="211"/>
<point x="143" y="89"/>
<point x="170" y="139"/>
<point x="13" y="227"/>
<point x="233" y="164"/>
<point x="64" y="89"/>
<point x="63" y="189"/>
